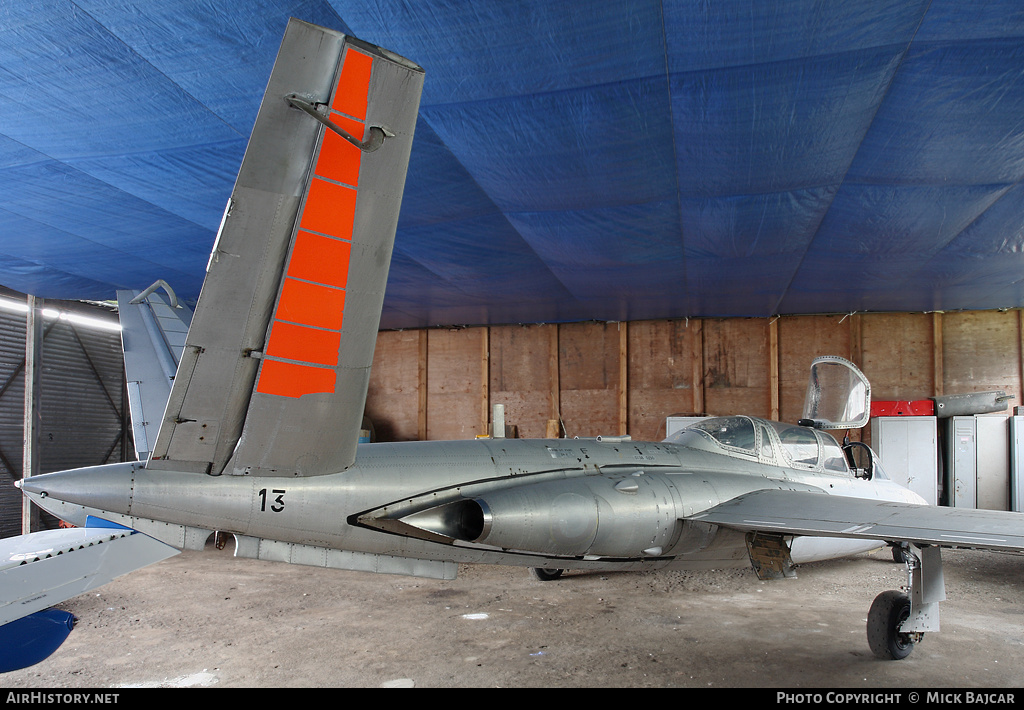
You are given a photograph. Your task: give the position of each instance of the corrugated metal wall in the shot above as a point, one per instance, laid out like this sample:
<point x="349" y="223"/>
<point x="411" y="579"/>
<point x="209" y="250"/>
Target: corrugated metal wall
<point x="83" y="417"/>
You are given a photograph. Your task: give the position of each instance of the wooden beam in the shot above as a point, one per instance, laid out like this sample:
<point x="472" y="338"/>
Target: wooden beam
<point x="773" y="368"/>
<point x="856" y="340"/>
<point x="485" y="380"/>
<point x="697" y="370"/>
<point x="555" y="404"/>
<point x="938" y="374"/>
<point x="421" y="386"/>
<point x="623" y="378"/>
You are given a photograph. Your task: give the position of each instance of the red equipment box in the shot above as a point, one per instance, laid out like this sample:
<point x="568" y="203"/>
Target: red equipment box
<point x="918" y="408"/>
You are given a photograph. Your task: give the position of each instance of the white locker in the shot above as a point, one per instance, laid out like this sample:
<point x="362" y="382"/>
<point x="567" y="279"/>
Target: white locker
<point x="962" y="445"/>
<point x="1016" y="423"/>
<point x="908" y="448"/>
<point x="979" y="462"/>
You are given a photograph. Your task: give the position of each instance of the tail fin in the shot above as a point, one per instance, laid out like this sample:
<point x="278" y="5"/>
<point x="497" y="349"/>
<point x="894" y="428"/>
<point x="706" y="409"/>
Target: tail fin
<point x="153" y="330"/>
<point x="274" y="371"/>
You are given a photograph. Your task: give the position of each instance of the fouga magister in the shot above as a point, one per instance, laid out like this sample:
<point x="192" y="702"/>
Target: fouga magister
<point x="247" y="412"/>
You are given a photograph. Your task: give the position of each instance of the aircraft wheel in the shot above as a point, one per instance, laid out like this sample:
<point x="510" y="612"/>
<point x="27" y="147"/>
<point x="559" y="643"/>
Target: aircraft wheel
<point x="545" y="574"/>
<point x="889" y="610"/>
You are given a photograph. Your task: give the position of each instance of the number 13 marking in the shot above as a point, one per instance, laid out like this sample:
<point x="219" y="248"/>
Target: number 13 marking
<point x="277" y="504"/>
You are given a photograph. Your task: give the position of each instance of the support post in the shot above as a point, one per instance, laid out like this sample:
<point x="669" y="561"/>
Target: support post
<point x="555" y="391"/>
<point x="697" y="367"/>
<point x="32" y="424"/>
<point x="421" y="385"/>
<point x="623" y="378"/>
<point x="774" y="396"/>
<point x="485" y="380"/>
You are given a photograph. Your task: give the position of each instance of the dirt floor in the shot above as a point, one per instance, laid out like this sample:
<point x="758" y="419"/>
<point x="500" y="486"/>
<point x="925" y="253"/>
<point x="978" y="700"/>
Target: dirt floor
<point x="207" y="619"/>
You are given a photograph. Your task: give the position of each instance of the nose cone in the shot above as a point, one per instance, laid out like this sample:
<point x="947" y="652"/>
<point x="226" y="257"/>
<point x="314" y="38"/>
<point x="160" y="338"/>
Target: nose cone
<point x="106" y="488"/>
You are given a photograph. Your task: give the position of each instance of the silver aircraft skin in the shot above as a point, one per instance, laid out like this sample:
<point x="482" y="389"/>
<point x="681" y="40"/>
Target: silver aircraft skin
<point x="565" y="503"/>
<point x="262" y="406"/>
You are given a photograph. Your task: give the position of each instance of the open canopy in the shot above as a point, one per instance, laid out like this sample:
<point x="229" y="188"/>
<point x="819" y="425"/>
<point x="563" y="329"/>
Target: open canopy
<point x="607" y="159"/>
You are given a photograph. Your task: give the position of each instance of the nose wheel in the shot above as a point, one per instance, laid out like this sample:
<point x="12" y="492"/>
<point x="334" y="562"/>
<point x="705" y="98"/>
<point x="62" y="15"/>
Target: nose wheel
<point x="897" y="621"/>
<point x="885" y="620"/>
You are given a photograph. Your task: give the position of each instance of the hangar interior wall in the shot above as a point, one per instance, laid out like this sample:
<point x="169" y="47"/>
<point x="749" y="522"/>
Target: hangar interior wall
<point x="81" y="401"/>
<point x="626" y="378"/>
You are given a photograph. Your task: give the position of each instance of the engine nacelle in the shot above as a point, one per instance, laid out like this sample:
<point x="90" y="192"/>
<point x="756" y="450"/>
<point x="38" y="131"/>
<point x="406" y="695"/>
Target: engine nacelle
<point x="628" y="516"/>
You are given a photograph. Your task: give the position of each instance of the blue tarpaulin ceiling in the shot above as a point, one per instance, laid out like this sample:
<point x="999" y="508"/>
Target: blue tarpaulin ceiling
<point x="607" y="159"/>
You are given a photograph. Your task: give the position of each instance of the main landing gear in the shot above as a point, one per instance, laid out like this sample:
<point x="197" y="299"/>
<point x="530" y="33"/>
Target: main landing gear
<point x="897" y="621"/>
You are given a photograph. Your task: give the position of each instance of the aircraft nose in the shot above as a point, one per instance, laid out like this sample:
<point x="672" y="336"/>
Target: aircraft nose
<point x="29" y="485"/>
<point x="101" y="487"/>
<point x="35" y="485"/>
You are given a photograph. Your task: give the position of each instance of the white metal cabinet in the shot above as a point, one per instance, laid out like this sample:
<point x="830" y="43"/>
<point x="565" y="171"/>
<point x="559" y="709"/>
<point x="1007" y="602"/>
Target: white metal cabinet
<point x="908" y="448"/>
<point x="978" y="453"/>
<point x="1016" y="424"/>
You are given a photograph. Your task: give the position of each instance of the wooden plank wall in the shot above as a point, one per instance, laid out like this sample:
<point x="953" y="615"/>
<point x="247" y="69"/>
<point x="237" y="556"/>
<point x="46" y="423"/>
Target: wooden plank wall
<point x="589" y="379"/>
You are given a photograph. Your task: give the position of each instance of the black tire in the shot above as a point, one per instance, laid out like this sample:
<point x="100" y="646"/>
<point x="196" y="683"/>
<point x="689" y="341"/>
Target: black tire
<point x="545" y="574"/>
<point x="889" y="610"/>
<point x="898" y="555"/>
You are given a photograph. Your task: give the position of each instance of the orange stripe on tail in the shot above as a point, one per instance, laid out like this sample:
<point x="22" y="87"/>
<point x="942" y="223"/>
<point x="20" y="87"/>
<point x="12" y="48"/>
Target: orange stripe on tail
<point x="306" y="329"/>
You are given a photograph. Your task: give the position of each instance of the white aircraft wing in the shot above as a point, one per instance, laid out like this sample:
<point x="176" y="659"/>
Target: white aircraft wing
<point x="45" y="568"/>
<point x="822" y="515"/>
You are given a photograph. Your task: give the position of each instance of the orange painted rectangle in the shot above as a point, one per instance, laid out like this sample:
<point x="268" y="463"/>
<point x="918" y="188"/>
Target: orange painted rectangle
<point x="339" y="160"/>
<point x="320" y="259"/>
<point x="350" y="95"/>
<point x="287" y="379"/>
<point x="297" y="342"/>
<point x="311" y="304"/>
<point x="329" y="209"/>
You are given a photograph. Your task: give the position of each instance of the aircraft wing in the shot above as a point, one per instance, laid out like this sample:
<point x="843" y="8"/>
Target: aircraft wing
<point x="822" y="515"/>
<point x="45" y="568"/>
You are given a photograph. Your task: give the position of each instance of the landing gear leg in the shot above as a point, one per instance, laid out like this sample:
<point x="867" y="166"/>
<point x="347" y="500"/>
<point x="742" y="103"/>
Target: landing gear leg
<point x="897" y="621"/>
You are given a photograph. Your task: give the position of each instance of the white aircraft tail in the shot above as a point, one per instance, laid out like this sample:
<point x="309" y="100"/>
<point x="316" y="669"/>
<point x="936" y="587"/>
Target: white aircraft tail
<point x="153" y="330"/>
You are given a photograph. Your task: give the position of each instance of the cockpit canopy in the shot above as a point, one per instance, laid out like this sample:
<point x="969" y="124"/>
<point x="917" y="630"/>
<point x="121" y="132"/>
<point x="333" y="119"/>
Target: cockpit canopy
<point x="767" y="442"/>
<point x="838" y="394"/>
<point x="732" y="432"/>
<point x="838" y="397"/>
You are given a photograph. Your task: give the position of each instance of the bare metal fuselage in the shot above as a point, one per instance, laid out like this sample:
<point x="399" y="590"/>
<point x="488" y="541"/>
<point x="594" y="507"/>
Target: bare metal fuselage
<point x="595" y="505"/>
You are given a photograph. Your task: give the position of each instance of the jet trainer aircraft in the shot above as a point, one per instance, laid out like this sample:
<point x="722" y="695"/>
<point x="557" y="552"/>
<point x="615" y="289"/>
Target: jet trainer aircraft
<point x="247" y="412"/>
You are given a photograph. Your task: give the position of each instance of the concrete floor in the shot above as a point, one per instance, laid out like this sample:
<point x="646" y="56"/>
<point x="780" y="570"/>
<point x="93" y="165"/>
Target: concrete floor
<point x="207" y="619"/>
